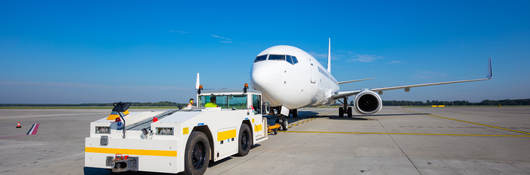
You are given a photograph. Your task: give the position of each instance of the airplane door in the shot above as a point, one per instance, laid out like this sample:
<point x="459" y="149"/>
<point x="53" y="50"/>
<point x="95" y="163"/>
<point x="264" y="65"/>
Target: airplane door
<point x="312" y="72"/>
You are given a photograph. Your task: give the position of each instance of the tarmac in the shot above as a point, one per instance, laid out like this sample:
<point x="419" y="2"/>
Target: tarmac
<point x="397" y="140"/>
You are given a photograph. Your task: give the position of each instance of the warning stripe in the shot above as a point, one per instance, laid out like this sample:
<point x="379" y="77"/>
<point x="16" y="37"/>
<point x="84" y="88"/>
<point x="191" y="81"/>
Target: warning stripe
<point x="34" y="129"/>
<point x="142" y="152"/>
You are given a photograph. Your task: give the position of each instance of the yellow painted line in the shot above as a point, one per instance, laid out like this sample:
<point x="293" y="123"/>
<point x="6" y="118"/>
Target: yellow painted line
<point x="226" y="134"/>
<point x="480" y="124"/>
<point x="141" y="152"/>
<point x="387" y="133"/>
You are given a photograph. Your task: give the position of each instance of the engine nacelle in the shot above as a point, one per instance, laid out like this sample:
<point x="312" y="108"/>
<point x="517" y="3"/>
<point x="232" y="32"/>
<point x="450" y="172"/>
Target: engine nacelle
<point x="368" y="102"/>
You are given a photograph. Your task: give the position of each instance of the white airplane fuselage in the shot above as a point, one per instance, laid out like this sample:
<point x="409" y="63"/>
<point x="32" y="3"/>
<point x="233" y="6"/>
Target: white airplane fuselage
<point x="289" y="77"/>
<point x="289" y="84"/>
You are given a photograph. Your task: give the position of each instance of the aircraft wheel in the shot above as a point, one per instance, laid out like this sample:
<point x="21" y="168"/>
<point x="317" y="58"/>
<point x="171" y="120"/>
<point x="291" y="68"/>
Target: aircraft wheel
<point x="197" y="154"/>
<point x="350" y="112"/>
<point x="245" y="140"/>
<point x="285" y="124"/>
<point x="295" y="113"/>
<point x="341" y="112"/>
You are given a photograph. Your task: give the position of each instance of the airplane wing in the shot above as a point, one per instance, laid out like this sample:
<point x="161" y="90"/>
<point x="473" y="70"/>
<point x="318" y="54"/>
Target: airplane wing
<point x="351" y="81"/>
<point x="407" y="87"/>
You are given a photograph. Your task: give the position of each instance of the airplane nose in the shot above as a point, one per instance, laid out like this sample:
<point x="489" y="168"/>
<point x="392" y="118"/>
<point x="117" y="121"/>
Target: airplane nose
<point x="264" y="77"/>
<point x="258" y="78"/>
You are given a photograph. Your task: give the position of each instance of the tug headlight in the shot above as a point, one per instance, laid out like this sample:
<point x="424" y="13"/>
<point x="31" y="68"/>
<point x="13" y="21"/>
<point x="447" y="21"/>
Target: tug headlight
<point x="164" y="131"/>
<point x="102" y="130"/>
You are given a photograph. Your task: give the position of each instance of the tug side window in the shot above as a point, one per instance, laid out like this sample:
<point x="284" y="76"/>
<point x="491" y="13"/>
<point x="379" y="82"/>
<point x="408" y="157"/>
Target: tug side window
<point x="256" y="103"/>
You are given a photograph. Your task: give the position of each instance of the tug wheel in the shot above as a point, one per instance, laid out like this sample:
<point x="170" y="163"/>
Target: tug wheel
<point x="245" y="140"/>
<point x="197" y="154"/>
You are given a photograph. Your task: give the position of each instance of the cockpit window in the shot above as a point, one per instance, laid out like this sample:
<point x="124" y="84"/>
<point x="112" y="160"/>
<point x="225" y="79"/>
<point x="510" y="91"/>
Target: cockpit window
<point x="276" y="57"/>
<point x="260" y="58"/>
<point x="292" y="59"/>
<point x="289" y="59"/>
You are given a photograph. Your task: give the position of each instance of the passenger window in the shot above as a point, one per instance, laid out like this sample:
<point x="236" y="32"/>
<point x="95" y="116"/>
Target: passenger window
<point x="260" y="58"/>
<point x="276" y="57"/>
<point x="256" y="103"/>
<point x="237" y="101"/>
<point x="294" y="59"/>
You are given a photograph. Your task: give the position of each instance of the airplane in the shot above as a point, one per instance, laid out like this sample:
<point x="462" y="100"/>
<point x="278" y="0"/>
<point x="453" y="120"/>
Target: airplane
<point x="290" y="78"/>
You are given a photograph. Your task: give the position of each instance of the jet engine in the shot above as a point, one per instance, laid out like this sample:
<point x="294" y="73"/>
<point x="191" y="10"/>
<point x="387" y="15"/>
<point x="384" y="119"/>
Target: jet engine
<point x="368" y="102"/>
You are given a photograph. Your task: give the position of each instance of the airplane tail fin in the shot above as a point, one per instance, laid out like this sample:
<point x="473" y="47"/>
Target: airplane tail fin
<point x="198" y="82"/>
<point x="329" y="54"/>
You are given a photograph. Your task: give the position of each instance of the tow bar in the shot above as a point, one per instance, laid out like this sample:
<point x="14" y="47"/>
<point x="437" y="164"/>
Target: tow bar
<point x="124" y="163"/>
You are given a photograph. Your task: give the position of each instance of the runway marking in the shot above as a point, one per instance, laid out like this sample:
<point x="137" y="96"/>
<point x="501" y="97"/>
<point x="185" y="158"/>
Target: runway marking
<point x="474" y="123"/>
<point x="480" y="124"/>
<point x="397" y="133"/>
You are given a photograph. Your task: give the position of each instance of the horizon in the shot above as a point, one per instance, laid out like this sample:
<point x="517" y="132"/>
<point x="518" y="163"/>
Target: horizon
<point x="66" y="52"/>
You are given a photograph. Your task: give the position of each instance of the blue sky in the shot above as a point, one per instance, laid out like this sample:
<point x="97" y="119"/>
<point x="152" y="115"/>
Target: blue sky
<point x="101" y="51"/>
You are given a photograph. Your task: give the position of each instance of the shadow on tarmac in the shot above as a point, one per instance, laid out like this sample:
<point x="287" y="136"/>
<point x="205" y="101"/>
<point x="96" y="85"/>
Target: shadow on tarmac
<point x="364" y="116"/>
<point x="271" y="119"/>
<point x="100" y="171"/>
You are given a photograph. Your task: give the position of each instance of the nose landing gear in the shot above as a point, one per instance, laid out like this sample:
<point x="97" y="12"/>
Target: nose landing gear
<point x="282" y="119"/>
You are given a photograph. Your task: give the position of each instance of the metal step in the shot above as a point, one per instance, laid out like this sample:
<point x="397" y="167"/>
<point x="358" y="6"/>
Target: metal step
<point x="262" y="139"/>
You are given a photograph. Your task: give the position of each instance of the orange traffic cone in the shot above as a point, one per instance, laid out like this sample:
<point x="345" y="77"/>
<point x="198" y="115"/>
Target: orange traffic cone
<point x="19" y="125"/>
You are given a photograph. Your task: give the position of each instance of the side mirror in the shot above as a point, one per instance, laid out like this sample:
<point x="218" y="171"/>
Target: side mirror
<point x="120" y="107"/>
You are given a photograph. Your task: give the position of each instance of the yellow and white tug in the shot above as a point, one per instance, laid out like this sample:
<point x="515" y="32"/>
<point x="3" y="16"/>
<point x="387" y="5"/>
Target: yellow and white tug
<point x="176" y="141"/>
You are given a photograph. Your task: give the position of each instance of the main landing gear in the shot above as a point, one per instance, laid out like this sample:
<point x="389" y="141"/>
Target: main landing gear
<point x="345" y="109"/>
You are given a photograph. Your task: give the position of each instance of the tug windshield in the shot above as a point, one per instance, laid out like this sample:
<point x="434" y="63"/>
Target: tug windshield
<point x="224" y="101"/>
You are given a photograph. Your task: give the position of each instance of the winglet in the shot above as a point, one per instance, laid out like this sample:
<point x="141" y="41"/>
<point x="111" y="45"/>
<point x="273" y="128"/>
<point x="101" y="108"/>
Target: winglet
<point x="490" y="72"/>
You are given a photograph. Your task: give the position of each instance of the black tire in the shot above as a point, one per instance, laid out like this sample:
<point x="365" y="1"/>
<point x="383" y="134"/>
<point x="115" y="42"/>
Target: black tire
<point x="197" y="154"/>
<point x="350" y="114"/>
<point x="341" y="112"/>
<point x="285" y="124"/>
<point x="294" y="112"/>
<point x="245" y="140"/>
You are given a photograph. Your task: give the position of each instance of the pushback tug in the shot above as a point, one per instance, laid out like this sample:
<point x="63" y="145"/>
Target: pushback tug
<point x="176" y="141"/>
